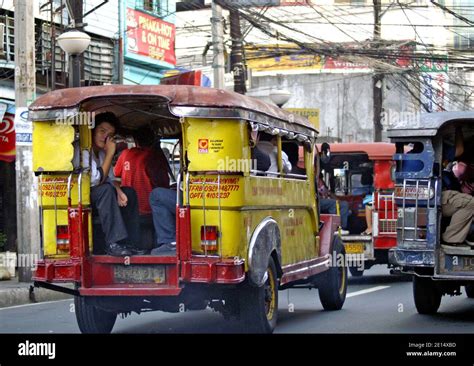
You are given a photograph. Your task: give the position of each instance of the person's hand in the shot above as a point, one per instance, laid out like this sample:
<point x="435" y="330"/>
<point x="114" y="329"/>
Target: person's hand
<point x="122" y="199"/>
<point x="110" y="146"/>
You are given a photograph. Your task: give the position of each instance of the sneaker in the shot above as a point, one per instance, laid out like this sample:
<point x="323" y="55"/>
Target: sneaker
<point x="117" y="250"/>
<point x="343" y="232"/>
<point x="469" y="242"/>
<point x="138" y="251"/>
<point x="165" y="249"/>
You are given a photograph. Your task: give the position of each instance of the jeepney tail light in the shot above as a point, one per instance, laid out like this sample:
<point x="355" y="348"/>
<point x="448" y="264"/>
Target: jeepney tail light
<point x="62" y="238"/>
<point x="209" y="237"/>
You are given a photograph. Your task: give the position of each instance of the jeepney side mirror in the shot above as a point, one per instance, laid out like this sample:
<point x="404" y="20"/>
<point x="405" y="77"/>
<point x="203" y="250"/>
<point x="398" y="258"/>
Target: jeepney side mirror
<point x="325" y="153"/>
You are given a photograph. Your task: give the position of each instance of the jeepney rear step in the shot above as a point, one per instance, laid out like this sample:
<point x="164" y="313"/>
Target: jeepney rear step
<point x="346" y="238"/>
<point x="457" y="249"/>
<point x="135" y="259"/>
<point x="130" y="290"/>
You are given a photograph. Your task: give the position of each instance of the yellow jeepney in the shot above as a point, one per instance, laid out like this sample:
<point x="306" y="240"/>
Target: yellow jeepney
<point x="242" y="233"/>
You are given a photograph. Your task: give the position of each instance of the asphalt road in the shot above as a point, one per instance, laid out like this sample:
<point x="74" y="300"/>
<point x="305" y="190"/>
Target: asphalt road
<point x="376" y="303"/>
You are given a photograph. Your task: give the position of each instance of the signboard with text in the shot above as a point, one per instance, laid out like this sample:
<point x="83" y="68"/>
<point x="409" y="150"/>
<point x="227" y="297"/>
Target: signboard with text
<point x="7" y="138"/>
<point x="150" y="37"/>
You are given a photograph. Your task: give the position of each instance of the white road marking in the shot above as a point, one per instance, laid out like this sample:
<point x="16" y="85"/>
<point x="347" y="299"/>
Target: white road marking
<point x="32" y="304"/>
<point x="366" y="291"/>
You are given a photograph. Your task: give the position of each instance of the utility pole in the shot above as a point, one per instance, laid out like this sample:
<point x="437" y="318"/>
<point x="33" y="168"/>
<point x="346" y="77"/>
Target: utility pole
<point x="236" y="55"/>
<point x="26" y="188"/>
<point x="377" y="78"/>
<point x="75" y="75"/>
<point x="218" y="45"/>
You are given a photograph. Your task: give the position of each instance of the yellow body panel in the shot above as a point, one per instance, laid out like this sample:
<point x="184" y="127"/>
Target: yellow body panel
<point x="217" y="145"/>
<point x="53" y="190"/>
<point x="246" y="200"/>
<point x="52" y="147"/>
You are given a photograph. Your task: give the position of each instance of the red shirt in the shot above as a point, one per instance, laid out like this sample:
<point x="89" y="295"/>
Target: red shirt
<point x="142" y="168"/>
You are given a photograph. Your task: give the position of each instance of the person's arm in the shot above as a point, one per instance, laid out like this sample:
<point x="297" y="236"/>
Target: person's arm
<point x="104" y="169"/>
<point x="286" y="162"/>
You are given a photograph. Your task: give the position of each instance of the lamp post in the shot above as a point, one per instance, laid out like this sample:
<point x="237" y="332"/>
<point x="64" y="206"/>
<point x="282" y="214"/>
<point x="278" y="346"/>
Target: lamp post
<point x="280" y="96"/>
<point x="74" y="43"/>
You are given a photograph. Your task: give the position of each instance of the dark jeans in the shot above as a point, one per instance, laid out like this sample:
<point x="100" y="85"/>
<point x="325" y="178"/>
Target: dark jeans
<point x="118" y="223"/>
<point x="163" y="206"/>
<point x="327" y="205"/>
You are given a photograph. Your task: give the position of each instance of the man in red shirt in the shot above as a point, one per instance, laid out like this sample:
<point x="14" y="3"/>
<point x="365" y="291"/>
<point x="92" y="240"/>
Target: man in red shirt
<point x="143" y="168"/>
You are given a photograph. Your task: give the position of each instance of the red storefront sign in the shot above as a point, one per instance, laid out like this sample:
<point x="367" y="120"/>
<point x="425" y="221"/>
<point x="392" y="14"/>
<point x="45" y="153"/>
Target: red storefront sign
<point x="7" y="138"/>
<point x="150" y="36"/>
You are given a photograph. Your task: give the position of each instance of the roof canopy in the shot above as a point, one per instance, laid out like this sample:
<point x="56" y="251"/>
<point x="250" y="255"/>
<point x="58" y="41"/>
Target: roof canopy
<point x="166" y="101"/>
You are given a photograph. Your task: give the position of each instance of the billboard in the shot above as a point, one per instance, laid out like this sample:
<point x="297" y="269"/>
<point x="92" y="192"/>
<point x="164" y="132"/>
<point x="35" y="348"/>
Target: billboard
<point x="150" y="37"/>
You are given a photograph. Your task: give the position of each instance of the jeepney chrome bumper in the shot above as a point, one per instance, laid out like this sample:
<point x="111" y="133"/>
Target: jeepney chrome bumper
<point x="411" y="258"/>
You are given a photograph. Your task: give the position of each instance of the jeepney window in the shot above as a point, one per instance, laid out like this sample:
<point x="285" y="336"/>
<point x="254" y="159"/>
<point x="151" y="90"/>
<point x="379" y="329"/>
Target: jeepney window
<point x="340" y="182"/>
<point x="265" y="151"/>
<point x="414" y="149"/>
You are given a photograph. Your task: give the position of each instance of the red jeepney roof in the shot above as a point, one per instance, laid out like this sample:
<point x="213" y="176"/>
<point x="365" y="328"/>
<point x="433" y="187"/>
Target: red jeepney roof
<point x="176" y="95"/>
<point x="375" y="150"/>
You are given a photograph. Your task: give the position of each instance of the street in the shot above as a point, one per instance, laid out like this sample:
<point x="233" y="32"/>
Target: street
<point x="376" y="303"/>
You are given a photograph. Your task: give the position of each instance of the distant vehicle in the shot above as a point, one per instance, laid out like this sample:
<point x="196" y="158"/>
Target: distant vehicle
<point x="350" y="164"/>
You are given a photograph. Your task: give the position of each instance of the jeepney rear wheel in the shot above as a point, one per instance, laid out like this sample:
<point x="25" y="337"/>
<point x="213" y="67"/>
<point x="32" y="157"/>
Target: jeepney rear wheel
<point x="259" y="305"/>
<point x="356" y="272"/>
<point x="426" y="295"/>
<point x="92" y="319"/>
<point x="469" y="291"/>
<point x="333" y="288"/>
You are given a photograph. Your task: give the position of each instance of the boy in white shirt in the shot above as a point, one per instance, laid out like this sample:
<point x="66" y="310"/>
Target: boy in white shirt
<point x="117" y="207"/>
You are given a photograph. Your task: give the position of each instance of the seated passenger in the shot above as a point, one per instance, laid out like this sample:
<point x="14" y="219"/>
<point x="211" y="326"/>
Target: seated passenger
<point x="368" y="180"/>
<point x="460" y="205"/>
<point x="260" y="160"/>
<point x="267" y="144"/>
<point x="116" y="207"/>
<point x="328" y="205"/>
<point x="143" y="168"/>
<point x="292" y="150"/>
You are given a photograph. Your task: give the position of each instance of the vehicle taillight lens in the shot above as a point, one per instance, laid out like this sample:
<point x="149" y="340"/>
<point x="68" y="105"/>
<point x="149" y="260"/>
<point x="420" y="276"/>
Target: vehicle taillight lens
<point x="62" y="238"/>
<point x="209" y="237"/>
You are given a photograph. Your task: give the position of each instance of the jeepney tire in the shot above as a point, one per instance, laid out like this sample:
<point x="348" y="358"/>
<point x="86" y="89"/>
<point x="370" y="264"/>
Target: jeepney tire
<point x="259" y="305"/>
<point x="469" y="291"/>
<point x="426" y="295"/>
<point x="356" y="272"/>
<point x="91" y="319"/>
<point x="333" y="288"/>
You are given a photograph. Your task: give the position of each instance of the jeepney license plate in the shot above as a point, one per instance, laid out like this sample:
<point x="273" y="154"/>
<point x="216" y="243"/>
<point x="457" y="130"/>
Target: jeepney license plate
<point x="139" y="274"/>
<point x="354" y="248"/>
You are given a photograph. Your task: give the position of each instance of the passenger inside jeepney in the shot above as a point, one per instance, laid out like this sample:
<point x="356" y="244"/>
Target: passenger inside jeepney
<point x="260" y="160"/>
<point x="458" y="188"/>
<point x="292" y="150"/>
<point x="116" y="207"/>
<point x="143" y="167"/>
<point x="267" y="144"/>
<point x="328" y="204"/>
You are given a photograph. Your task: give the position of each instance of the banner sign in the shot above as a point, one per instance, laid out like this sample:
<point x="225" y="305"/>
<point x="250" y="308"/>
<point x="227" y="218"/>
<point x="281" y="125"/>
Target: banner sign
<point x="150" y="36"/>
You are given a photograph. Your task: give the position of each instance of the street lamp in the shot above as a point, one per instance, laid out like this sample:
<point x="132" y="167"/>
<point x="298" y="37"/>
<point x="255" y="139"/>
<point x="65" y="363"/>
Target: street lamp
<point x="74" y="43"/>
<point x="280" y="96"/>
